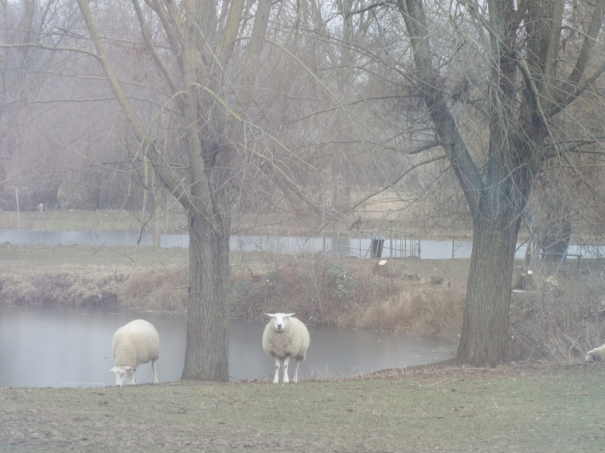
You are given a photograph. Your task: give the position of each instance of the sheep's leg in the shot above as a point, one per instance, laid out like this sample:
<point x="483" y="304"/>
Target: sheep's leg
<point x="133" y="379"/>
<point x="286" y="378"/>
<point x="154" y="372"/>
<point x="296" y="372"/>
<point x="276" y="378"/>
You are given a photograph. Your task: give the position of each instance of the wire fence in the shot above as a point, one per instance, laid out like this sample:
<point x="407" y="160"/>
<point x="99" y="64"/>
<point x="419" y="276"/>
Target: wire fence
<point x="382" y="244"/>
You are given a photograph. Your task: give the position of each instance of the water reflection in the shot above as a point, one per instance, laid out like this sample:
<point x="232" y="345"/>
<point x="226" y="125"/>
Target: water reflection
<point x="50" y="346"/>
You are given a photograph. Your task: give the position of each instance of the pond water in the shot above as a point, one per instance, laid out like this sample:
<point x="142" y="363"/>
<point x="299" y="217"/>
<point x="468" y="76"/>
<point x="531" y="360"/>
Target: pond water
<point x="51" y="346"/>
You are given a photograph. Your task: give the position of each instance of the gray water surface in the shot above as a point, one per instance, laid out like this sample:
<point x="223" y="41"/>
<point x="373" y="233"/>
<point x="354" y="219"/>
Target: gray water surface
<point x="51" y="346"/>
<point x="343" y="247"/>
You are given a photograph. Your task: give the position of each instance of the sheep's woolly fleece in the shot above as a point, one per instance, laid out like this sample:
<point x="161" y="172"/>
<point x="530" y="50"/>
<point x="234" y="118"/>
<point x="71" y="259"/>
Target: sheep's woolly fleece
<point x="135" y="343"/>
<point x="285" y="338"/>
<point x="596" y="354"/>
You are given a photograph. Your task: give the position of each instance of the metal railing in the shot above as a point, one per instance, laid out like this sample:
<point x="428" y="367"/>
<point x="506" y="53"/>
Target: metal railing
<point x="387" y="243"/>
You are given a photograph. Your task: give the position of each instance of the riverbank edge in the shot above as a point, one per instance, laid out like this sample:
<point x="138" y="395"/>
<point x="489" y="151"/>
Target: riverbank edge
<point x="552" y="318"/>
<point x="402" y="297"/>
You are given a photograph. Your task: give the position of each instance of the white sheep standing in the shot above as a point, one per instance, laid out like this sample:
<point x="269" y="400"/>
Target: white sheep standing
<point x="133" y="344"/>
<point x="285" y="338"/>
<point x="596" y="354"/>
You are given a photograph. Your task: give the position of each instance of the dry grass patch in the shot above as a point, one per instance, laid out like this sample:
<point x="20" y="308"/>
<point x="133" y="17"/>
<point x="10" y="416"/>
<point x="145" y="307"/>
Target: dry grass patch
<point x="425" y="311"/>
<point x="318" y="289"/>
<point x="560" y="319"/>
<point x="62" y="285"/>
<point x="157" y="290"/>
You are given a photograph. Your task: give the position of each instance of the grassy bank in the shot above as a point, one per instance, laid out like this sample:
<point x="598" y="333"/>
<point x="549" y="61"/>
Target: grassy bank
<point x="553" y="318"/>
<point x="422" y="297"/>
<point x="105" y="220"/>
<point x="513" y="409"/>
<point x="83" y="276"/>
<point x="282" y="224"/>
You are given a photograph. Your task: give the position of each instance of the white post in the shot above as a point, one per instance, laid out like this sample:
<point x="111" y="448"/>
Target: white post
<point x="18" y="216"/>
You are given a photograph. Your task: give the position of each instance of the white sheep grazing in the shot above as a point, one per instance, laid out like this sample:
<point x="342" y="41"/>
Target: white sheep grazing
<point x="285" y="338"/>
<point x="133" y="344"/>
<point x="596" y="354"/>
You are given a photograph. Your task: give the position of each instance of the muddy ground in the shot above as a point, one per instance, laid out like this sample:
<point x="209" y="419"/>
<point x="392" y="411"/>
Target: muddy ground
<point x="538" y="408"/>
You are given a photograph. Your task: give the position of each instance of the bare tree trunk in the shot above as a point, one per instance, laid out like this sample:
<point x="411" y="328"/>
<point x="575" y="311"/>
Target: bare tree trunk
<point x="485" y="337"/>
<point x="157" y="211"/>
<point x="498" y="195"/>
<point x="206" y="355"/>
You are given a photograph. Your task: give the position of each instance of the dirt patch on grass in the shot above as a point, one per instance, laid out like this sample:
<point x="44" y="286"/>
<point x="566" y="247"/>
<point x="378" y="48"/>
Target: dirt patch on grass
<point x="517" y="409"/>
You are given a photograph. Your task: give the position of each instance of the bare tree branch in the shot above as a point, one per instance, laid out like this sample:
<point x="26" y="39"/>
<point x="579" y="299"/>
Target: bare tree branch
<point x="372" y="6"/>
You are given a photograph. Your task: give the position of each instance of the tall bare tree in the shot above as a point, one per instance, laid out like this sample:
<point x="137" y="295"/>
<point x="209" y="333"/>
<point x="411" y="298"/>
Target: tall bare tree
<point x="209" y="60"/>
<point x="530" y="81"/>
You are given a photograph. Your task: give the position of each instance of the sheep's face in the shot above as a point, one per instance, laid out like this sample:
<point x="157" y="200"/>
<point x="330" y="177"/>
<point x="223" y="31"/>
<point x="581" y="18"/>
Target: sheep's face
<point x="590" y="357"/>
<point x="279" y="320"/>
<point x="122" y="373"/>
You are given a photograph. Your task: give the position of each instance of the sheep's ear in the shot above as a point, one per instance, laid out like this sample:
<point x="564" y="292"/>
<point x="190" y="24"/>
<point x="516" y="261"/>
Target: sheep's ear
<point x="113" y="370"/>
<point x="270" y="315"/>
<point x="287" y="315"/>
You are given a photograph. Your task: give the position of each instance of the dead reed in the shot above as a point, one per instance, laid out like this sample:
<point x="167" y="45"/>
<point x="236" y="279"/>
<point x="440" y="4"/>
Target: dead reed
<point x="432" y="311"/>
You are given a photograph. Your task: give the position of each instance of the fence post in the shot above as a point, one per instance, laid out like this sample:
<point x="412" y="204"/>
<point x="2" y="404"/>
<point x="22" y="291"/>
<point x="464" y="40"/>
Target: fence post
<point x="323" y="224"/>
<point x="166" y="221"/>
<point x="18" y="215"/>
<point x="453" y="250"/>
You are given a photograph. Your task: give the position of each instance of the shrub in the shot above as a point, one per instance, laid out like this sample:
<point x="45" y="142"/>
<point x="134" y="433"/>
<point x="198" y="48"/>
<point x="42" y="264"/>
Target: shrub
<point x="318" y="289"/>
<point x="162" y="289"/>
<point x="560" y="319"/>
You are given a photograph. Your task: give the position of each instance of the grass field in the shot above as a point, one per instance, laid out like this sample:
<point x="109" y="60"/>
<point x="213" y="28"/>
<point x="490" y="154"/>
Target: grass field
<point x="375" y="217"/>
<point x="106" y="220"/>
<point x="509" y="409"/>
<point x="515" y="408"/>
<point x="44" y="255"/>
